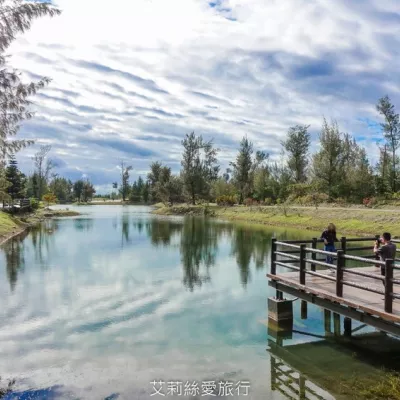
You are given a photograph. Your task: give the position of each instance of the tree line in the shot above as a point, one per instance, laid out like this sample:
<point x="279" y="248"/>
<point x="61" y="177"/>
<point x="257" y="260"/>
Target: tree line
<point x="339" y="170"/>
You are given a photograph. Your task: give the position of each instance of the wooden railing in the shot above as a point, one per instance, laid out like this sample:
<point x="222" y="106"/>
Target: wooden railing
<point x="17" y="203"/>
<point x="300" y="253"/>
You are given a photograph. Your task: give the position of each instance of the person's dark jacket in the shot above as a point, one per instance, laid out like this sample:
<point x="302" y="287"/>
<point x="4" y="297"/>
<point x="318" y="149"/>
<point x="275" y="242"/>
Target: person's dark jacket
<point x="329" y="236"/>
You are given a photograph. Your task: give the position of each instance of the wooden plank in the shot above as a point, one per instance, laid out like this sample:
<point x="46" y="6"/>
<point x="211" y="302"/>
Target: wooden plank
<point x="355" y="298"/>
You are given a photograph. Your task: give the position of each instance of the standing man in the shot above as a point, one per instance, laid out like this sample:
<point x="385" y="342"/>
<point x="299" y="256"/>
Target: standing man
<point x="387" y="251"/>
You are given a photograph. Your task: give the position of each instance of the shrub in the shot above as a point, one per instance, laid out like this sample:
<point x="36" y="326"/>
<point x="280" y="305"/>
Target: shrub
<point x="268" y="201"/>
<point x="396" y="196"/>
<point x="226" y="200"/>
<point x="34" y="203"/>
<point x="370" y="201"/>
<point x="341" y="201"/>
<point x="49" y="198"/>
<point x="250" y="202"/>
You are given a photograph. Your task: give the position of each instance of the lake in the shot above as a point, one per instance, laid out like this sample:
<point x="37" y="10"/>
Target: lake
<point x="121" y="304"/>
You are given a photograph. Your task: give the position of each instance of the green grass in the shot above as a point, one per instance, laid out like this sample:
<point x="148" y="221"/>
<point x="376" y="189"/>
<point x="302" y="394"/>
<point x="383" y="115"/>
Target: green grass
<point x="8" y="225"/>
<point x="349" y="221"/>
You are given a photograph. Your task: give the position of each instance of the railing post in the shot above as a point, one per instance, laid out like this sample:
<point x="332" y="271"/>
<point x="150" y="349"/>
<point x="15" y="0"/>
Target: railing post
<point x="273" y="256"/>
<point x="389" y="286"/>
<point x="376" y="254"/>
<point x="303" y="264"/>
<point x="344" y="248"/>
<point x="339" y="273"/>
<point x="314" y="255"/>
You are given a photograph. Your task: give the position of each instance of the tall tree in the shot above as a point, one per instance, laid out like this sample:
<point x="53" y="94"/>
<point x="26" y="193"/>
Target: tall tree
<point x="16" y="179"/>
<point x="391" y="132"/>
<point x="199" y="166"/>
<point x="383" y="171"/>
<point x="15" y="17"/>
<point x="244" y="168"/>
<point x="43" y="167"/>
<point x="88" y="190"/>
<point x="78" y="190"/>
<point x="62" y="189"/>
<point x="124" y="187"/>
<point x="327" y="162"/>
<point x="297" y="145"/>
<point x="146" y="192"/>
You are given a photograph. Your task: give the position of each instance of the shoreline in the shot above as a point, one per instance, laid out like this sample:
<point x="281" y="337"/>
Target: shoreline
<point x="19" y="224"/>
<point x="350" y="221"/>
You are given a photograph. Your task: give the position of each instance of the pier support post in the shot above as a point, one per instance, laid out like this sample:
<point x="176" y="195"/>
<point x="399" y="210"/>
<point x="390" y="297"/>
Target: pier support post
<point x="327" y="322"/>
<point x="336" y="324"/>
<point x="280" y="310"/>
<point x="304" y="309"/>
<point x="347" y="326"/>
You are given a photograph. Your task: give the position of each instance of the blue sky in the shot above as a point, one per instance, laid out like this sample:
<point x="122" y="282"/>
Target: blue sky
<point x="131" y="78"/>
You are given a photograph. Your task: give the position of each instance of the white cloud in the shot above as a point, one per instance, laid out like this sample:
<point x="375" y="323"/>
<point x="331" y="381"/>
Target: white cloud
<point x="131" y="78"/>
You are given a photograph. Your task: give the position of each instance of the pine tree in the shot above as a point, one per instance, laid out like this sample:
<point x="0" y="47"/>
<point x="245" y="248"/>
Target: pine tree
<point x="16" y="179"/>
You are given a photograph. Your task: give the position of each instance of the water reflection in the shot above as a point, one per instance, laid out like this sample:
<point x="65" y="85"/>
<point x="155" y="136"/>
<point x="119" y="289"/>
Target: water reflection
<point x="198" y="250"/>
<point x="83" y="224"/>
<point x="14" y="256"/>
<point x="41" y="236"/>
<point x="198" y="238"/>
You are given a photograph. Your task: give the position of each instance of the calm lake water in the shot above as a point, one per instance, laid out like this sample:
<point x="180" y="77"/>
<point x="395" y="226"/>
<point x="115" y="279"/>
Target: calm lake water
<point x="102" y="305"/>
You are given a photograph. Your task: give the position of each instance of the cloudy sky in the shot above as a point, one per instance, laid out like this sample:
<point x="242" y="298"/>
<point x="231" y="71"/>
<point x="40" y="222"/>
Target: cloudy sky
<point x="132" y="77"/>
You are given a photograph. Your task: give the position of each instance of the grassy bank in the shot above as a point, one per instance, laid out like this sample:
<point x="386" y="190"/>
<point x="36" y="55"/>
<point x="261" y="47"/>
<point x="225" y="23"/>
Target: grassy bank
<point x="14" y="225"/>
<point x="352" y="221"/>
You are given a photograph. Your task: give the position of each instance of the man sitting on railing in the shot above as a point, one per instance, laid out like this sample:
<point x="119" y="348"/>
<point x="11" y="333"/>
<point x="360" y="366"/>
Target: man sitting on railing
<point x="387" y="251"/>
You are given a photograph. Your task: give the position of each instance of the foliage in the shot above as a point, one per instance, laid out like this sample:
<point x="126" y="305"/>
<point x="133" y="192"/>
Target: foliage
<point x="199" y="167"/>
<point x="260" y="186"/>
<point x="49" y="198"/>
<point x="370" y="201"/>
<point x="62" y="188"/>
<point x="226" y="200"/>
<point x="391" y="132"/>
<point x="221" y="187"/>
<point x="297" y="146"/>
<point x="244" y="167"/>
<point x="34" y="203"/>
<point x="124" y="187"/>
<point x="251" y="202"/>
<point x="16" y="17"/>
<point x="83" y="190"/>
<point x="43" y="168"/>
<point x="16" y="180"/>
<point x="170" y="191"/>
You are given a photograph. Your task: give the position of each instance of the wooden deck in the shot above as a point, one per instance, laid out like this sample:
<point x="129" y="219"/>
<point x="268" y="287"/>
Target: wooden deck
<point x="369" y="302"/>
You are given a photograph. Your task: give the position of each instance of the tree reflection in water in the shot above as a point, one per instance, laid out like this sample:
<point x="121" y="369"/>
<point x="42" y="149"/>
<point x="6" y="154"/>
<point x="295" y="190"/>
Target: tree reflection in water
<point x="197" y="239"/>
<point x="14" y="256"/>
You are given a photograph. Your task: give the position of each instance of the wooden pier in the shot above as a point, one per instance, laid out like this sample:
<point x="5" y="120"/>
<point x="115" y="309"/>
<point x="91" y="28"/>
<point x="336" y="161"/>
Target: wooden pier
<point x="352" y="287"/>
